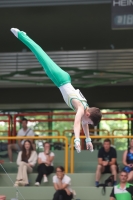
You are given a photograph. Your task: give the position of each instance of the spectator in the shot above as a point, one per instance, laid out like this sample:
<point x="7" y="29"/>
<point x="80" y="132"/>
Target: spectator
<point x="24" y="131"/>
<point x="2" y="197"/>
<point x="124" y="190"/>
<point x="26" y="160"/>
<point x="45" y="164"/>
<point x="106" y="161"/>
<point x="128" y="161"/>
<point x="62" y="184"/>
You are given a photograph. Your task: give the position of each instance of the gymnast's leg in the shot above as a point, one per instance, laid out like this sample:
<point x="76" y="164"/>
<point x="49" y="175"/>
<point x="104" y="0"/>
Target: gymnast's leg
<point x="53" y="71"/>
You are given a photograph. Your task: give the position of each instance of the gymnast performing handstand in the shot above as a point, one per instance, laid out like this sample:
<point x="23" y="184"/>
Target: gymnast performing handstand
<point x="73" y="98"/>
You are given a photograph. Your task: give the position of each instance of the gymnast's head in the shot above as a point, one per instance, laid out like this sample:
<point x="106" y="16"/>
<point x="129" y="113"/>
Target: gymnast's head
<point x="94" y="115"/>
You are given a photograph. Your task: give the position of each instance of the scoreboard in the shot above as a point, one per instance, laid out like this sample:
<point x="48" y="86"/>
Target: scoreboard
<point x="122" y="14"/>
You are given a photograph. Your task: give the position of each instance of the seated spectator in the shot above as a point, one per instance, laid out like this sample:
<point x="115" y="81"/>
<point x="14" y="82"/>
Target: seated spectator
<point x="24" y="131"/>
<point x="45" y="164"/>
<point x="26" y="160"/>
<point x="2" y="197"/>
<point x="62" y="184"/>
<point x="106" y="161"/>
<point x="124" y="190"/>
<point x="128" y="161"/>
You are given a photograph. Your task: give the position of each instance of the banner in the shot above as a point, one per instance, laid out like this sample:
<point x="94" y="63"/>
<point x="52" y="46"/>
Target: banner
<point x="122" y="14"/>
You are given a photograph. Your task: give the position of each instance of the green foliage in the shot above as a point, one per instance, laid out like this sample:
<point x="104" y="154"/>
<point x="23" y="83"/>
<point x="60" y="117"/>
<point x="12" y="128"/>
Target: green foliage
<point x="63" y="125"/>
<point x="118" y="127"/>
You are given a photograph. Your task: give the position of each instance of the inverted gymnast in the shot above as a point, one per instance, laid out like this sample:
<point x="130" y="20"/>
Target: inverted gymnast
<point x="73" y="98"/>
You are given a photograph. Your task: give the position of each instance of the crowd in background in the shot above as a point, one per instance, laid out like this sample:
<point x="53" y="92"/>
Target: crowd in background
<point x="28" y="158"/>
<point x="107" y="161"/>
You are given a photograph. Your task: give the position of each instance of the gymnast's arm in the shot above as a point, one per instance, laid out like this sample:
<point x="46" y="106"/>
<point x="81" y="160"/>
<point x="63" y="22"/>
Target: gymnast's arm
<point x="86" y="130"/>
<point x="77" y="121"/>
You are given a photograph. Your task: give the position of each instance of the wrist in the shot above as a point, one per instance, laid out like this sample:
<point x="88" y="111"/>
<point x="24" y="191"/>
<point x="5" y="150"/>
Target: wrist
<point x="88" y="140"/>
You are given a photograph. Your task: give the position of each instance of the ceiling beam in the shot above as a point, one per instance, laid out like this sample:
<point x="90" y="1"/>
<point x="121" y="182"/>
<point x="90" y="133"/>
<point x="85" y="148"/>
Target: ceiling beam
<point x="32" y="3"/>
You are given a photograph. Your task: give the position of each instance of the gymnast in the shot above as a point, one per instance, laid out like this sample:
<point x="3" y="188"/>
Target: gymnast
<point x="73" y="97"/>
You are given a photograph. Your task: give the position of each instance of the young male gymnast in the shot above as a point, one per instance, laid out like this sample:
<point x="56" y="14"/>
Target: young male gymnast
<point x="73" y="98"/>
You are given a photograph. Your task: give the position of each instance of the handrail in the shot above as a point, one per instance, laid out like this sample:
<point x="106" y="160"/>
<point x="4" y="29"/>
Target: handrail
<point x="90" y="130"/>
<point x="43" y="137"/>
<point x="83" y="137"/>
<point x="68" y="113"/>
<point x="44" y="113"/>
<point x="118" y="119"/>
<point x="47" y="120"/>
<point x="4" y="131"/>
<point x="118" y="112"/>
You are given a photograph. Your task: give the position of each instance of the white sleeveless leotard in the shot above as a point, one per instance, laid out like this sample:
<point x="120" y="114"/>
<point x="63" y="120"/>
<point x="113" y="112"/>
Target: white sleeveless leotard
<point x="69" y="93"/>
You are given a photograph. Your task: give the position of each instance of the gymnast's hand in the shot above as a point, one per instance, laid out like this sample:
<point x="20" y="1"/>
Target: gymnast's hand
<point x="89" y="146"/>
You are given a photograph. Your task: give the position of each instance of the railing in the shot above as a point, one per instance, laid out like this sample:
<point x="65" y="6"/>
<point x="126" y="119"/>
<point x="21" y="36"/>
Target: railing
<point x="66" y="119"/>
<point x="66" y="145"/>
<point x="90" y="130"/>
<point x="44" y="137"/>
<point x="42" y="120"/>
<point x="93" y="137"/>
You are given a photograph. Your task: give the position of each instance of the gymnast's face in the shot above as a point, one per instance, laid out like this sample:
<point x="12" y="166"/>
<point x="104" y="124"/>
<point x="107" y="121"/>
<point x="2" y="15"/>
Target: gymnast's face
<point x="88" y="116"/>
<point x="90" y="121"/>
<point x="87" y="113"/>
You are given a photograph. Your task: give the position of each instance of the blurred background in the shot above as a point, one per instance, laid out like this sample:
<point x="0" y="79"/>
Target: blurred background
<point x="91" y="40"/>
